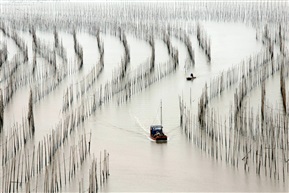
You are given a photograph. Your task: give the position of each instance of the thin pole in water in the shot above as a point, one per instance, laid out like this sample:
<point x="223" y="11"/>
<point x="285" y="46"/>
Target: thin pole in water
<point x="161" y="113"/>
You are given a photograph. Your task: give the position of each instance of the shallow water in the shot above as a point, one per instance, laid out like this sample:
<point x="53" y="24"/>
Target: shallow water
<point x="138" y="164"/>
<point x="177" y="165"/>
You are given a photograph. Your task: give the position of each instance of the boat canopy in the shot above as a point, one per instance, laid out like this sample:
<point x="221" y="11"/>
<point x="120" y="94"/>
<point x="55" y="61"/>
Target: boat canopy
<point x="156" y="129"/>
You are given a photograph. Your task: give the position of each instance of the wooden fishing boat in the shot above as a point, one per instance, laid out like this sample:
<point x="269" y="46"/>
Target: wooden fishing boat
<point x="156" y="131"/>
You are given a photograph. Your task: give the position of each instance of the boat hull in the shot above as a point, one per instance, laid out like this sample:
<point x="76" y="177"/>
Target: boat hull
<point x="190" y="78"/>
<point x="156" y="134"/>
<point x="160" y="139"/>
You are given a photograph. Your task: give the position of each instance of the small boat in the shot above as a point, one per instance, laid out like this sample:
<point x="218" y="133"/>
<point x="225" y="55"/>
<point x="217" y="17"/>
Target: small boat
<point x="156" y="131"/>
<point x="191" y="77"/>
<point x="157" y="134"/>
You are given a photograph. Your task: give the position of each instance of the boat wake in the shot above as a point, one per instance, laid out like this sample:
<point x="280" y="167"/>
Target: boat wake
<point x="139" y="123"/>
<point x="144" y="129"/>
<point x="109" y="124"/>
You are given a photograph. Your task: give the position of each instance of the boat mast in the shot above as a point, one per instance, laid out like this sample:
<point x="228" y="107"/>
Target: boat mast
<point x="161" y="114"/>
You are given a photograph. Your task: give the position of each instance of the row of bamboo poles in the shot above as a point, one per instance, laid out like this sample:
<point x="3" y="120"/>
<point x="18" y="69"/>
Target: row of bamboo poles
<point x="43" y="168"/>
<point x="12" y="67"/>
<point x="17" y="80"/>
<point x="145" y="75"/>
<point x="249" y="13"/>
<point x="3" y="53"/>
<point x="122" y="84"/>
<point x="67" y="98"/>
<point x="151" y="42"/>
<point x="11" y="33"/>
<point x="256" y="66"/>
<point x="257" y="141"/>
<point x="1" y="111"/>
<point x="87" y="83"/>
<point x="78" y="50"/>
<point x="15" y="140"/>
<point x="47" y="150"/>
<point x="203" y="40"/>
<point x="257" y="146"/>
<point x="49" y="81"/>
<point x="9" y="68"/>
<point x="184" y="37"/>
<point x="283" y="74"/>
<point x="94" y="181"/>
<point x="50" y="155"/>
<point x="79" y="115"/>
<point x="138" y="80"/>
<point x="20" y="134"/>
<point x="126" y="59"/>
<point x="43" y="50"/>
<point x="58" y="137"/>
<point x="58" y="46"/>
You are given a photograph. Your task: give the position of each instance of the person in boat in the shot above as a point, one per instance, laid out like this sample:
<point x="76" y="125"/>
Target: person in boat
<point x="191" y="77"/>
<point x="158" y="132"/>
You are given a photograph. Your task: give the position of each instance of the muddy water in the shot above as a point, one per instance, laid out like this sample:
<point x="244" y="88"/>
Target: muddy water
<point x="136" y="163"/>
